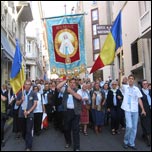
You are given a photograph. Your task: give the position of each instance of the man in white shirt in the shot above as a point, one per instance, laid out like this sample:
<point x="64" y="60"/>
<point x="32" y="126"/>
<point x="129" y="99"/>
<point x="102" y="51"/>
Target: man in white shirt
<point x="71" y="112"/>
<point x="132" y="96"/>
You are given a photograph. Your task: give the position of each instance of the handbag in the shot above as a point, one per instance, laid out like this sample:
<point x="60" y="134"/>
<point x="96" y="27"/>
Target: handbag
<point x="45" y="122"/>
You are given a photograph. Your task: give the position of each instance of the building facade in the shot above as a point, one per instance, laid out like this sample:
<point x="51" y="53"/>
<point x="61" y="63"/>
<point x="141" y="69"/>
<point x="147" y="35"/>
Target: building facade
<point x="15" y="16"/>
<point x="34" y="68"/>
<point x="34" y="45"/>
<point x="45" y="53"/>
<point x="135" y="54"/>
<point x="96" y="13"/>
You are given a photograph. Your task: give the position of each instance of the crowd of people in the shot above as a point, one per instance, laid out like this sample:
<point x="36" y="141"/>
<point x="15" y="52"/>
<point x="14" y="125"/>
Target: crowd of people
<point x="73" y="105"/>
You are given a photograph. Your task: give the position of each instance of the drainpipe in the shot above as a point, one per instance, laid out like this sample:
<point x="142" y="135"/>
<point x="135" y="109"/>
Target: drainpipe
<point x="25" y="44"/>
<point x="143" y="53"/>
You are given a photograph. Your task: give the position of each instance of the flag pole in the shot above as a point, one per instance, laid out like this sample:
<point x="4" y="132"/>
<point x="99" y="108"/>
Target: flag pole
<point x="120" y="71"/>
<point x="22" y="88"/>
<point x="121" y="50"/>
<point x="21" y="80"/>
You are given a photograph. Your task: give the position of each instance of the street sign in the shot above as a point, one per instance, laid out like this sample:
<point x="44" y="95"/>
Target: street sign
<point x="103" y="29"/>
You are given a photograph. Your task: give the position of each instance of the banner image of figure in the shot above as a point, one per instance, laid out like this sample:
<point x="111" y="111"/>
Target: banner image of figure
<point x="66" y="46"/>
<point x="65" y="35"/>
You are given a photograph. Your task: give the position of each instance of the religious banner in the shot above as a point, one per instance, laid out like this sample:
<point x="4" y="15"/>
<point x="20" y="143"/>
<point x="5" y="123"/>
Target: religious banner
<point x="65" y="36"/>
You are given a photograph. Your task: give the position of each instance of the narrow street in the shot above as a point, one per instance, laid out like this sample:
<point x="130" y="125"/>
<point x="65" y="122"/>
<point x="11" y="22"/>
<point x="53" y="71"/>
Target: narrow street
<point x="52" y="140"/>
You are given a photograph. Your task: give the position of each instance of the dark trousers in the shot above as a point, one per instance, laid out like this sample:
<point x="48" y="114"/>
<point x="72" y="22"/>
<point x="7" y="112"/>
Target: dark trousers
<point x="115" y="117"/>
<point x="16" y="123"/>
<point x="122" y="118"/>
<point x="71" y="123"/>
<point x="50" y="112"/>
<point x="59" y="120"/>
<point x="3" y="120"/>
<point x="37" y="122"/>
<point x="146" y="124"/>
<point x="26" y="128"/>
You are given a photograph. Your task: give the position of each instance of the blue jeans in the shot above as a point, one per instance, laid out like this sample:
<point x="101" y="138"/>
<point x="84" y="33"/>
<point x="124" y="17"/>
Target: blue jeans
<point x="131" y="127"/>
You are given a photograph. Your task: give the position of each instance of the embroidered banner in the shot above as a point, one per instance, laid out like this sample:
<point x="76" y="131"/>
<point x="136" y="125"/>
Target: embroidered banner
<point x="65" y="36"/>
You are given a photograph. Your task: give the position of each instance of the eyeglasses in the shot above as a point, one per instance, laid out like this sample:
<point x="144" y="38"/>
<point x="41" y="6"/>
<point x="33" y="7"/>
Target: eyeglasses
<point x="145" y="83"/>
<point x="114" y="84"/>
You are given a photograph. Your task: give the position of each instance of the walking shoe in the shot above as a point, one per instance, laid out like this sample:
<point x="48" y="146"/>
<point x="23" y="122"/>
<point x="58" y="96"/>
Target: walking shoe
<point x="67" y="145"/>
<point x="17" y="136"/>
<point x="148" y="141"/>
<point x="117" y="132"/>
<point x="28" y="149"/>
<point x="133" y="147"/>
<point x="125" y="146"/>
<point x="123" y="128"/>
<point x="77" y="150"/>
<point x="85" y="133"/>
<point x="2" y="143"/>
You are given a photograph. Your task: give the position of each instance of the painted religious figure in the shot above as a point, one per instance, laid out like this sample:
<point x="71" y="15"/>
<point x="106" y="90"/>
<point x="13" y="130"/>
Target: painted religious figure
<point x="66" y="46"/>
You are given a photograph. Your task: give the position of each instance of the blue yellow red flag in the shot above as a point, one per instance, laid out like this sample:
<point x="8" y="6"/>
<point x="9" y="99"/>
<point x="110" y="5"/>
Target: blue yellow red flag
<point x="17" y="77"/>
<point x="111" y="44"/>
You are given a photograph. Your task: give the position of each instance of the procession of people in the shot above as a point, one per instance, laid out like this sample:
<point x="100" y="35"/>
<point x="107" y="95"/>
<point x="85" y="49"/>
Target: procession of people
<point x="73" y="106"/>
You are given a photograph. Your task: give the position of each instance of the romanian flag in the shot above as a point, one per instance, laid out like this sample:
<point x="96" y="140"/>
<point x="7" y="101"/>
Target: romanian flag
<point x="17" y="73"/>
<point x="111" y="44"/>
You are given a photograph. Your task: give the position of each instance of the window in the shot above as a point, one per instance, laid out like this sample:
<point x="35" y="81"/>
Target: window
<point x="134" y="53"/>
<point x="94" y="15"/>
<point x="144" y="6"/>
<point x="96" y="45"/>
<point x="95" y="37"/>
<point x="94" y="26"/>
<point x="28" y="73"/>
<point x="29" y="46"/>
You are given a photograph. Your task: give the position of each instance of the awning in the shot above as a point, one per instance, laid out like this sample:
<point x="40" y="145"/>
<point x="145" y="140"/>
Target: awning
<point x="6" y="46"/>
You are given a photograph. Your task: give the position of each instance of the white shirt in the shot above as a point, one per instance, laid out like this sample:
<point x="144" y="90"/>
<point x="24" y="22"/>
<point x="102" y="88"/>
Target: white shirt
<point x="70" y="103"/>
<point x="44" y="98"/>
<point x="135" y="95"/>
<point x="84" y="95"/>
<point x="39" y="104"/>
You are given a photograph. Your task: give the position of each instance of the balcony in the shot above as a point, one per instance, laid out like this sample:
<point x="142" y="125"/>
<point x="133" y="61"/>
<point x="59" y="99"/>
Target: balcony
<point x="145" y="25"/>
<point x="24" y="10"/>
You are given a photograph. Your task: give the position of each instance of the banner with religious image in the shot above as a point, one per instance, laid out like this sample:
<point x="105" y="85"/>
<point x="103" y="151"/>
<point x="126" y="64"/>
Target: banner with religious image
<point x="65" y="36"/>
